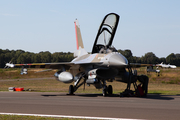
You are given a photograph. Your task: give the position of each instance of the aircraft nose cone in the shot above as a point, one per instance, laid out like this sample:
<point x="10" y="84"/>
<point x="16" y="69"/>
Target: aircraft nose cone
<point x="118" y="60"/>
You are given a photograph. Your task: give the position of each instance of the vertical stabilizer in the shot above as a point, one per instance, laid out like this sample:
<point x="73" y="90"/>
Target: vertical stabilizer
<point x="80" y="47"/>
<point x="79" y="42"/>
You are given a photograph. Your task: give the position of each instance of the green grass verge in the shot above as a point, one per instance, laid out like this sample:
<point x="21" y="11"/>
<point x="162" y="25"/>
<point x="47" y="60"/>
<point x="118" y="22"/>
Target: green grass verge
<point x="19" y="117"/>
<point x="168" y="83"/>
<point x="164" y="92"/>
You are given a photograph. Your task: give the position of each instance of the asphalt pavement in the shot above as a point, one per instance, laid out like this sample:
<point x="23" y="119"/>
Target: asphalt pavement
<point x="154" y="107"/>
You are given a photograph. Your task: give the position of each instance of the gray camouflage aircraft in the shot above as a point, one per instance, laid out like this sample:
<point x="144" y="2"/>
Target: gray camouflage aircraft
<point x="105" y="63"/>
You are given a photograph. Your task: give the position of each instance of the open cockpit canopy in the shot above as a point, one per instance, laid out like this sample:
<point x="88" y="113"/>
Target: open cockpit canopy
<point x="106" y="34"/>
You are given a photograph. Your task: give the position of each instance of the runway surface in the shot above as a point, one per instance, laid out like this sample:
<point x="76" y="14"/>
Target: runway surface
<point x="156" y="107"/>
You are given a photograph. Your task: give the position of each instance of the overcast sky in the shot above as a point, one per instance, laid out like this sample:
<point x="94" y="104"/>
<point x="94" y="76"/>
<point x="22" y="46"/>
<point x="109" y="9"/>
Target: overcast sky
<point x="48" y="25"/>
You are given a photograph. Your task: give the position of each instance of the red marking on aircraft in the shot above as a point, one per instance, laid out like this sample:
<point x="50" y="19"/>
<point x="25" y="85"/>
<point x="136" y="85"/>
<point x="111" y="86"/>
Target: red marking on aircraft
<point x="76" y="37"/>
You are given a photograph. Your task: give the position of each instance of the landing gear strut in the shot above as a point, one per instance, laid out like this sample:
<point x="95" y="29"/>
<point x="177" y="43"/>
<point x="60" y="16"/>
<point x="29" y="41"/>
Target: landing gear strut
<point x="104" y="91"/>
<point x="110" y="90"/>
<point x="72" y="88"/>
<point x="127" y="91"/>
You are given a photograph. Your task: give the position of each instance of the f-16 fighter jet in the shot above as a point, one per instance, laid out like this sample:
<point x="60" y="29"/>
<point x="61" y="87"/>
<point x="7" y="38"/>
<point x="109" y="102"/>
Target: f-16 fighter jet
<point x="166" y="65"/>
<point x="104" y="63"/>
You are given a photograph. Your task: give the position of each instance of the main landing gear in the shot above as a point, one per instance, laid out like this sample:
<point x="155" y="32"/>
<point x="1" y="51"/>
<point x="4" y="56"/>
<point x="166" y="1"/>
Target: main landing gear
<point x="77" y="84"/>
<point x="107" y="90"/>
<point x="140" y="91"/>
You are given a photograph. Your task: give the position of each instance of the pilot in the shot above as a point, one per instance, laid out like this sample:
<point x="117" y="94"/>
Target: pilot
<point x="102" y="50"/>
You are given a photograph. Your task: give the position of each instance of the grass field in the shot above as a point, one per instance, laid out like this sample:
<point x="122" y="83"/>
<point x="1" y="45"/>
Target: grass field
<point x="168" y="83"/>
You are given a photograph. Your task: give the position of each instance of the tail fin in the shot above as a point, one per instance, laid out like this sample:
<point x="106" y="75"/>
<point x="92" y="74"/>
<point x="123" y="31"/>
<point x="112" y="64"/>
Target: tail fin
<point x="80" y="47"/>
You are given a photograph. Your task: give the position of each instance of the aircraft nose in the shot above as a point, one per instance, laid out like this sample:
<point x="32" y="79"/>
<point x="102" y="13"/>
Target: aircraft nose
<point x="118" y="60"/>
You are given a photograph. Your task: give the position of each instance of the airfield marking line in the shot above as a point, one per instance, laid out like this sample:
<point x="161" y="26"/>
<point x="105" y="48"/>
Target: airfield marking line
<point x="67" y="116"/>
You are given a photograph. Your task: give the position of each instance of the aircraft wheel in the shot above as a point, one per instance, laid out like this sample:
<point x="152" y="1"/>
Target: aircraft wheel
<point x="110" y="90"/>
<point x="71" y="89"/>
<point x="105" y="91"/>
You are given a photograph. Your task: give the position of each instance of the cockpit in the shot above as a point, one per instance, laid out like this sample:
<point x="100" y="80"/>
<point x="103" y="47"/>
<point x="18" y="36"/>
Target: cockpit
<point x="103" y="50"/>
<point x="106" y="34"/>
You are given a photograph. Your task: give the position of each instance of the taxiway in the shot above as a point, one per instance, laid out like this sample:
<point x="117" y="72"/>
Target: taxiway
<point x="156" y="107"/>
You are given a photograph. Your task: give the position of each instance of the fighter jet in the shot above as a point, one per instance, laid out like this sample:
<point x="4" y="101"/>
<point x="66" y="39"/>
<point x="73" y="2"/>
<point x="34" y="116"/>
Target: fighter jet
<point x="104" y="63"/>
<point x="166" y="65"/>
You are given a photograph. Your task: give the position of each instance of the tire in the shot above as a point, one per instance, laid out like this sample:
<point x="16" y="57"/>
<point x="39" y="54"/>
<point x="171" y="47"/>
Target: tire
<point x="110" y="90"/>
<point x="71" y="89"/>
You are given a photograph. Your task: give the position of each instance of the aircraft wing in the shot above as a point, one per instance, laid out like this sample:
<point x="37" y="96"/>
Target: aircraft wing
<point x="136" y="65"/>
<point x="59" y="65"/>
<point x="86" y="62"/>
<point x="44" y="65"/>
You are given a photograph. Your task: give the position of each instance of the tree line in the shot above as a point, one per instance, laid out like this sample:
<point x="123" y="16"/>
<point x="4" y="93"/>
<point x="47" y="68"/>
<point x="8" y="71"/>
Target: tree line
<point x="151" y="58"/>
<point x="20" y="56"/>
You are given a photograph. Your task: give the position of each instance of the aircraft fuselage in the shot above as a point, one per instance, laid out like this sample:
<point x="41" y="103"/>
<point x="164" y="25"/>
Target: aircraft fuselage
<point x="106" y="60"/>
